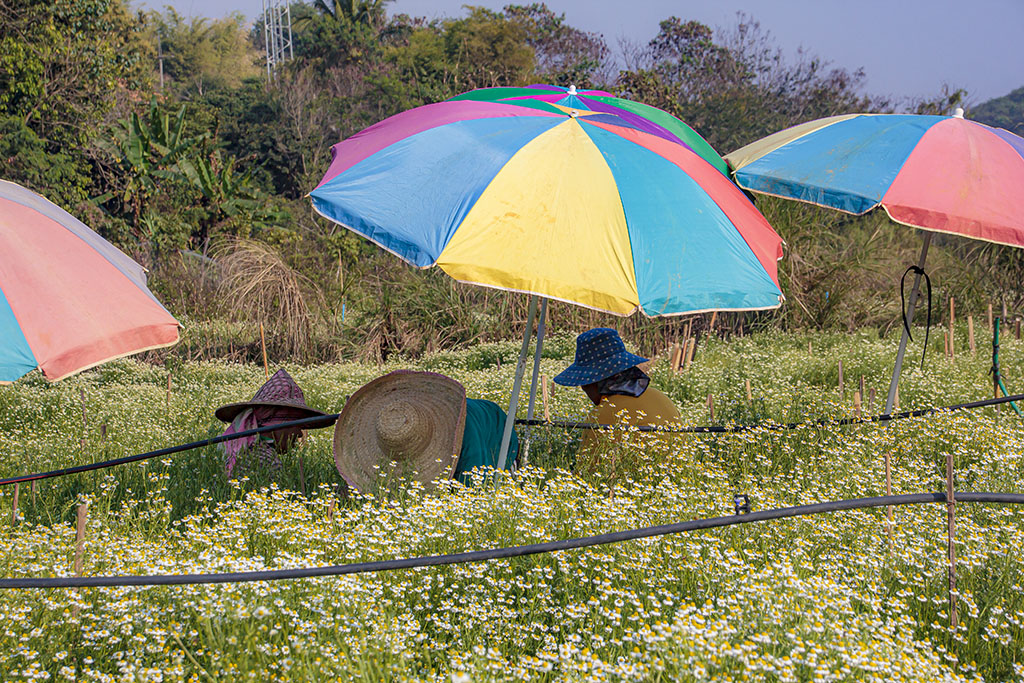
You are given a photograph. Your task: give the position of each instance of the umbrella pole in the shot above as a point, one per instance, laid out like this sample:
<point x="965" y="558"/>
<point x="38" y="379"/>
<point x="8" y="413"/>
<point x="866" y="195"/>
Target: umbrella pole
<point x="513" y="402"/>
<point x="536" y="376"/>
<point x="894" y="383"/>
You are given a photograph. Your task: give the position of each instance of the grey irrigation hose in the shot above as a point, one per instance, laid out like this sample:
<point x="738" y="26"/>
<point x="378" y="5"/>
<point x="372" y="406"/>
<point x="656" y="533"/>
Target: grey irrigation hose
<point x="503" y="553"/>
<point x="714" y="429"/>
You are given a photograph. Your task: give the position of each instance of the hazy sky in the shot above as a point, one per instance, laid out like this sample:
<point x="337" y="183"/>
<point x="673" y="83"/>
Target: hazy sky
<point x="908" y="48"/>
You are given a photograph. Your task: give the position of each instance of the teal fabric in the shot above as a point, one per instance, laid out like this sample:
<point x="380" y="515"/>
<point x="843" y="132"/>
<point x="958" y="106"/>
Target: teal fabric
<point x="481" y="441"/>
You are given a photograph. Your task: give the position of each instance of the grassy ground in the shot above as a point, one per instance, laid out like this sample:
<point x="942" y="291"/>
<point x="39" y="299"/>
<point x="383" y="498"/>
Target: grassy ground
<point x="830" y="597"/>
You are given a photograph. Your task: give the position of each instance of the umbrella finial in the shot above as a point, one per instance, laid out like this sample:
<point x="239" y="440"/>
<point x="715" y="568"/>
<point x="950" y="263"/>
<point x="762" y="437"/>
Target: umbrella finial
<point x="959" y="113"/>
<point x="572" y="89"/>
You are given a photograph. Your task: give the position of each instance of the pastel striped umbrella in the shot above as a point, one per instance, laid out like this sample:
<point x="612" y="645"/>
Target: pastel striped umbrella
<point x="69" y="300"/>
<point x="938" y="173"/>
<point x="570" y="195"/>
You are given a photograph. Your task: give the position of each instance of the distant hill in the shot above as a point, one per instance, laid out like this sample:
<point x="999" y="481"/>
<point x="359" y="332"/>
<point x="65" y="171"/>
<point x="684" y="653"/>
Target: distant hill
<point x="1004" y="112"/>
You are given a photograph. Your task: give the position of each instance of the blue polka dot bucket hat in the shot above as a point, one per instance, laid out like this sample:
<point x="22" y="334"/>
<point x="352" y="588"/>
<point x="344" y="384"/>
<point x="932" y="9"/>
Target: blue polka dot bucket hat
<point x="600" y="354"/>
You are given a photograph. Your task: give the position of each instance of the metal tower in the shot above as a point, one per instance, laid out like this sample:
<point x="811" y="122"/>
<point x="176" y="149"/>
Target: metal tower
<point x="277" y="33"/>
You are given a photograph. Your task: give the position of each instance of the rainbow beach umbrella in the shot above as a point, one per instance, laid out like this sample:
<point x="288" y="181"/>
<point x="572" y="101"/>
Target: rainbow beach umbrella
<point x="570" y="195"/>
<point x="938" y="173"/>
<point x="562" y="194"/>
<point x="69" y="300"/>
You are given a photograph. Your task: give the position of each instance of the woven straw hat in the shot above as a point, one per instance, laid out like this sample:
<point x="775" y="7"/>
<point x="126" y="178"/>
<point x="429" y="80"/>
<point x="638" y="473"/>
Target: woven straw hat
<point x="412" y="419"/>
<point x="278" y="391"/>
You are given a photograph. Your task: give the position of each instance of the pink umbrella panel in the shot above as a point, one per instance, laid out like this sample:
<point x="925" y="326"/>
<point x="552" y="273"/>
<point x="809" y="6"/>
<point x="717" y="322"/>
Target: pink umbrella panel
<point x="69" y="300"/>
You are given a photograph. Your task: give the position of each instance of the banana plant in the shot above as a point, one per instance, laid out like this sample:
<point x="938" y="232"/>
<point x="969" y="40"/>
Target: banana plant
<point x="147" y="151"/>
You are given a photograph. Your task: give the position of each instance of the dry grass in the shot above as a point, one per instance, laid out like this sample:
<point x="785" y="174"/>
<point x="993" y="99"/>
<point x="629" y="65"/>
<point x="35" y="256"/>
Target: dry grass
<point x="257" y="285"/>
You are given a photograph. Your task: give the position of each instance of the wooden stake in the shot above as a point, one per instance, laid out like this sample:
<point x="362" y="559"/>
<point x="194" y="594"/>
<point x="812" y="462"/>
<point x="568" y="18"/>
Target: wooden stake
<point x="810" y="351"/>
<point x="676" y="357"/>
<point x="970" y="333"/>
<point x="856" y="404"/>
<point x="888" y="492"/>
<point x="952" y="320"/>
<point x="842" y="394"/>
<point x="714" y="317"/>
<point x="990" y="318"/>
<point x="85" y="419"/>
<point x="14" y="505"/>
<point x="544" y="396"/>
<point x="103" y="433"/>
<point x="951" y="530"/>
<point x="750" y="399"/>
<point x="711" y="407"/>
<point x="263" y="343"/>
<point x="945" y="343"/>
<point x="691" y="345"/>
<point x="81" y="516"/>
<point x="1017" y="327"/>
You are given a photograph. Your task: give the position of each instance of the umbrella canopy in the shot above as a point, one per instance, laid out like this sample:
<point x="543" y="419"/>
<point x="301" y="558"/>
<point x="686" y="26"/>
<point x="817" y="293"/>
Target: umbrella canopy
<point x="69" y="299"/>
<point x="941" y="173"/>
<point x="577" y="196"/>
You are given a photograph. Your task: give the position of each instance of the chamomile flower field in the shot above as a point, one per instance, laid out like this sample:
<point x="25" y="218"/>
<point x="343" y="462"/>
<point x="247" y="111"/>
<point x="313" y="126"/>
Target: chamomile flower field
<point x="833" y="597"/>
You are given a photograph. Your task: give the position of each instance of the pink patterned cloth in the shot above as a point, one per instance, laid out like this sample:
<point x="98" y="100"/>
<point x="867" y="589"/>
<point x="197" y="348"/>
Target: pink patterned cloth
<point x="251" y="447"/>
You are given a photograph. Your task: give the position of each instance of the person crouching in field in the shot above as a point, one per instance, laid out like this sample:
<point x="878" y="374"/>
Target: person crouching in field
<point x="416" y="426"/>
<point x="620" y="391"/>
<point x="279" y="400"/>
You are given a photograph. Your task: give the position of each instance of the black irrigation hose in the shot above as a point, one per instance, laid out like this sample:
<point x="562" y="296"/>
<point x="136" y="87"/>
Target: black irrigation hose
<point x="164" y="451"/>
<point x="729" y="429"/>
<point x="567" y="425"/>
<point x="503" y="553"/>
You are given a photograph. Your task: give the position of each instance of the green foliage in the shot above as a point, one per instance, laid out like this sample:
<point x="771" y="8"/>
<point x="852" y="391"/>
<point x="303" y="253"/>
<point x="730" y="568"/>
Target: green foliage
<point x="64" y="65"/>
<point x="60" y="175"/>
<point x="199" y="53"/>
<point x="738" y="87"/>
<point x="1003" y="112"/>
<point x="564" y="55"/>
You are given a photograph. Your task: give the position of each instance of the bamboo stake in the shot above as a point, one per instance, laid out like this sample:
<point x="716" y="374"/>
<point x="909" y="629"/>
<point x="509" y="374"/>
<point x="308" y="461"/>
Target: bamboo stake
<point x="888" y="492"/>
<point x="711" y="407"/>
<point x="81" y="516"/>
<point x="676" y="357"/>
<point x="714" y="317"/>
<point x="85" y="419"/>
<point x="952" y="320"/>
<point x="691" y="344"/>
<point x="945" y="344"/>
<point x="810" y="352"/>
<point x="544" y="396"/>
<point x="263" y="343"/>
<point x="856" y="404"/>
<point x="750" y="399"/>
<point x="842" y="393"/>
<point x="990" y="318"/>
<point x="951" y="530"/>
<point x="14" y="505"/>
<point x="970" y="333"/>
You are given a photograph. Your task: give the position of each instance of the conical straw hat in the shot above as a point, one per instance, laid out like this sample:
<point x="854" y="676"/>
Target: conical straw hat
<point x="404" y="424"/>
<point x="280" y="391"/>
